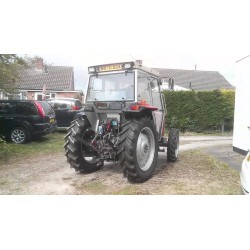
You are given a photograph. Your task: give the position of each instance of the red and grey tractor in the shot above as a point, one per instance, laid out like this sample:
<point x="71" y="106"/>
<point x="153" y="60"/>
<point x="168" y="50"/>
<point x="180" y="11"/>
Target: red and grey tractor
<point x="123" y="121"/>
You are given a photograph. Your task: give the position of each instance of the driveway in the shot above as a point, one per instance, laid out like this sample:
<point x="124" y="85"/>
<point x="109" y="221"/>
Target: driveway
<point x="217" y="146"/>
<point x="36" y="176"/>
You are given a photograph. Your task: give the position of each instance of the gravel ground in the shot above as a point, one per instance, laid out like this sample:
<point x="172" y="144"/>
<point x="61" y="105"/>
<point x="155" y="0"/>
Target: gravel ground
<point x="51" y="174"/>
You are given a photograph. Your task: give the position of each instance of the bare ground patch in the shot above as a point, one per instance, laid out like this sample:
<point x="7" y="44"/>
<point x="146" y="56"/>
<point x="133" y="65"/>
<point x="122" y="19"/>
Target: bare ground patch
<point x="194" y="173"/>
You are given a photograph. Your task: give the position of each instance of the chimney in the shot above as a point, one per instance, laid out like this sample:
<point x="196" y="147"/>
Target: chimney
<point x="39" y="64"/>
<point x="139" y="62"/>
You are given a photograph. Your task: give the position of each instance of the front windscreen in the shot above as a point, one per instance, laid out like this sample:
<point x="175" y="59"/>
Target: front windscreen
<point x="111" y="87"/>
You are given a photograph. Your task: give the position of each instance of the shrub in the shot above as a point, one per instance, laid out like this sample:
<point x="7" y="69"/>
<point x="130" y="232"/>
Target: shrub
<point x="200" y="111"/>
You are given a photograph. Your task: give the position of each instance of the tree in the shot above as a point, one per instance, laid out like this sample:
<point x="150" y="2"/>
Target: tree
<point x="9" y="66"/>
<point x="30" y="61"/>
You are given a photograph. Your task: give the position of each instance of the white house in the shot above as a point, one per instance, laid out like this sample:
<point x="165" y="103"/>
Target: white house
<point x="241" y="134"/>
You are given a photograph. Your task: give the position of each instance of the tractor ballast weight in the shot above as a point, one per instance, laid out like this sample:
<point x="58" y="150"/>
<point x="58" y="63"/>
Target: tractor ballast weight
<point x="123" y="120"/>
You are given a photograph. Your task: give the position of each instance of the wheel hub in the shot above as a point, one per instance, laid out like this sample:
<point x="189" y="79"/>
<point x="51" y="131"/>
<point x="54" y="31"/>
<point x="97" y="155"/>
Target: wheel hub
<point x="145" y="149"/>
<point x="17" y="136"/>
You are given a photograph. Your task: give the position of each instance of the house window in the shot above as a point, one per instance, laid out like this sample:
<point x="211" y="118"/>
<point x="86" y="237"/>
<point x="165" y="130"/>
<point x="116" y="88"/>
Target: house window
<point x="50" y="95"/>
<point x="21" y="96"/>
<point x="38" y="96"/>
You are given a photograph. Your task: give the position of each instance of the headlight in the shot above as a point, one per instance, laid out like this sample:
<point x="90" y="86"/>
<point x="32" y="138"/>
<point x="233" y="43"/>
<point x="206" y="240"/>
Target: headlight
<point x="248" y="157"/>
<point x="91" y="70"/>
<point x="127" y="65"/>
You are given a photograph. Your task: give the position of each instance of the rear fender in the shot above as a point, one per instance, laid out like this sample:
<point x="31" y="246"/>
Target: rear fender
<point x="79" y="114"/>
<point x="91" y="117"/>
<point x="142" y="111"/>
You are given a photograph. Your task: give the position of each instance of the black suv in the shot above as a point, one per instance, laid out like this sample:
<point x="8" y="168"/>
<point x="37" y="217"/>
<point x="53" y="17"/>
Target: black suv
<point x="20" y="120"/>
<point x="65" y="109"/>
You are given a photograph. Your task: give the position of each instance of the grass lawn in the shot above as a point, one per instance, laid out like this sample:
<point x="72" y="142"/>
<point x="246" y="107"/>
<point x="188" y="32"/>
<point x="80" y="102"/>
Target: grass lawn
<point x="52" y="143"/>
<point x="195" y="173"/>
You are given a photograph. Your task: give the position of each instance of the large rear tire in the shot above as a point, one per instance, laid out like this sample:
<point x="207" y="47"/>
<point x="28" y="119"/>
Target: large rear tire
<point x="173" y="145"/>
<point x="139" y="147"/>
<point x="79" y="154"/>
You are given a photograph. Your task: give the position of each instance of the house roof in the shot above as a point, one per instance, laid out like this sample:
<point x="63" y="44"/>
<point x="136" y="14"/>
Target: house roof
<point x="53" y="77"/>
<point x="200" y="80"/>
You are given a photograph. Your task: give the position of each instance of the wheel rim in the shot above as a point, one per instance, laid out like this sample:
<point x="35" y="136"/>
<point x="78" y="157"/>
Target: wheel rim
<point x="177" y="150"/>
<point x="18" y="136"/>
<point x="87" y="137"/>
<point x="145" y="149"/>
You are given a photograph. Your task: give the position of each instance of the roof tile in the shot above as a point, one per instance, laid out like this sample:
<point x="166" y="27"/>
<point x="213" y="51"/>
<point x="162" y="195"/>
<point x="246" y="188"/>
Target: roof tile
<point x="56" y="78"/>
<point x="200" y="80"/>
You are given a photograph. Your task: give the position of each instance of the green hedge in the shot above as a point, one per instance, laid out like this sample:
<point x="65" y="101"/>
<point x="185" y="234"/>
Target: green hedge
<point x="200" y="111"/>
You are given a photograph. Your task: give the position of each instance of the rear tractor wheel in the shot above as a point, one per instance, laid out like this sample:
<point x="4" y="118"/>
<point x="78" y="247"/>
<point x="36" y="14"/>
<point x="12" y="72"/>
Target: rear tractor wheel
<point x="139" y="146"/>
<point x="79" y="154"/>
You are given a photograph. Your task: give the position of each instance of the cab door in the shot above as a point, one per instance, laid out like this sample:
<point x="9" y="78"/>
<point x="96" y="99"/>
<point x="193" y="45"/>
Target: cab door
<point x="157" y="101"/>
<point x="148" y="89"/>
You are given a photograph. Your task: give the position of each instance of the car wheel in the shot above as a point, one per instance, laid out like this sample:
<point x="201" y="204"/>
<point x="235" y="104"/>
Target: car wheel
<point x="19" y="135"/>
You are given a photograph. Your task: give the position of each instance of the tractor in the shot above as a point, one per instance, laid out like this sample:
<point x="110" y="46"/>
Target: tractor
<point x="123" y="120"/>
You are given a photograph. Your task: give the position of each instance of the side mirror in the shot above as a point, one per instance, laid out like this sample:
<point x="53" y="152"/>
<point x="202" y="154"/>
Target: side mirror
<point x="152" y="85"/>
<point x="167" y="81"/>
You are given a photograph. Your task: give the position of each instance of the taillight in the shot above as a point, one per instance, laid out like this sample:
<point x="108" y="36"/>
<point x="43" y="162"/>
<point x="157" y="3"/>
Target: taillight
<point x="134" y="107"/>
<point x="138" y="105"/>
<point x="143" y="103"/>
<point x="40" y="109"/>
<point x="75" y="108"/>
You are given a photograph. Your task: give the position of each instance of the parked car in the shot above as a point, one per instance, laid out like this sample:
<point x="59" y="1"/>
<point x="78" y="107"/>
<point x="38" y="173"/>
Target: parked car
<point x="65" y="110"/>
<point x="22" y="120"/>
<point x="245" y="174"/>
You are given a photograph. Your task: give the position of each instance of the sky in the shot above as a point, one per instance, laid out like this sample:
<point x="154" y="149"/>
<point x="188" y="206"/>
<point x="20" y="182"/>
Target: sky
<point x="223" y="64"/>
<point x="171" y="34"/>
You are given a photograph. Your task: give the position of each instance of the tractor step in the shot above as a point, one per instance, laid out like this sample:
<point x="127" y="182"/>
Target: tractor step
<point x="163" y="142"/>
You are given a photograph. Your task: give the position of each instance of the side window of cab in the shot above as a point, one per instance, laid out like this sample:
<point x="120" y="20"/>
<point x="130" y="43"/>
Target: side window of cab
<point x="143" y="91"/>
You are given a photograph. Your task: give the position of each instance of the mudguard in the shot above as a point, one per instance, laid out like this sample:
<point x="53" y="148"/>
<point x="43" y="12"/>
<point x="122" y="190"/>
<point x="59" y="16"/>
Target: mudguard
<point x="91" y="116"/>
<point x="80" y="114"/>
<point x="142" y="111"/>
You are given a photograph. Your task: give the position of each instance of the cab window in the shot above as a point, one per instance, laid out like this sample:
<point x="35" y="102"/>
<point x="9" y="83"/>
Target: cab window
<point x="143" y="87"/>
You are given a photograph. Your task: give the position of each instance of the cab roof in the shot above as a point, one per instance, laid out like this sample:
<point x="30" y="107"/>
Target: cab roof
<point x="111" y="67"/>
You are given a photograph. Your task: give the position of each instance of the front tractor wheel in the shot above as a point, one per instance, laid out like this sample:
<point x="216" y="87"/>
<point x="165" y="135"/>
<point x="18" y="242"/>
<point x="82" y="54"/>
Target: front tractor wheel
<point x="173" y="145"/>
<point x="140" y="149"/>
<point x="79" y="154"/>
